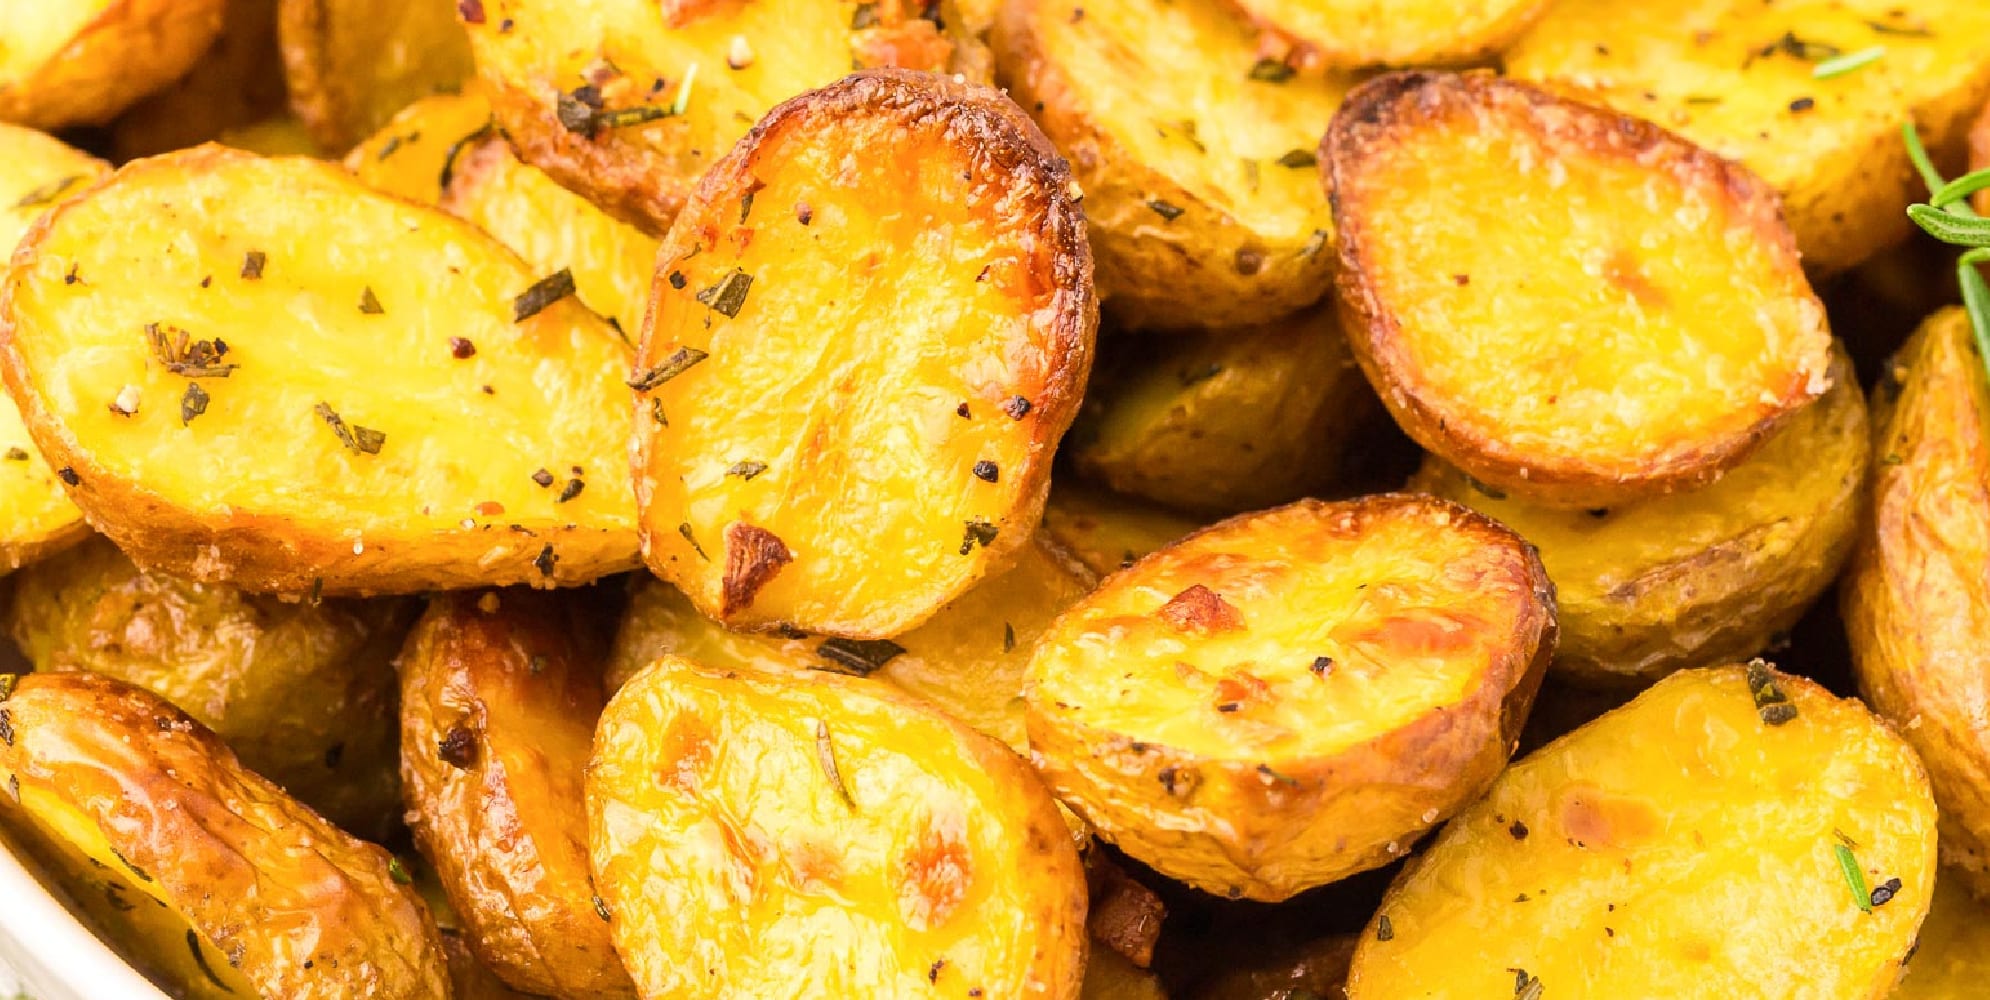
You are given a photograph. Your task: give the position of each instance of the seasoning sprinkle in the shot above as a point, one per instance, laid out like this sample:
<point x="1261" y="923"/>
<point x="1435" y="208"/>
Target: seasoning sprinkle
<point x="685" y="530"/>
<point x="679" y="362"/>
<point x="357" y="439"/>
<point x="1855" y="878"/>
<point x="1384" y="931"/>
<point x="461" y="348"/>
<point x="17" y="454"/>
<point x="1314" y="244"/>
<point x="746" y="470"/>
<point x="252" y="265"/>
<point x="544" y="292"/>
<point x="1849" y="62"/>
<point x="193" y="403"/>
<point x="570" y="490"/>
<point x="863" y="657"/>
<point x="1165" y="209"/>
<point x="543" y="478"/>
<point x="1322" y="666"/>
<point x="1296" y="158"/>
<point x="601" y="908"/>
<point x="1008" y="638"/>
<point x="977" y="532"/>
<point x="369" y="303"/>
<point x="546" y="560"/>
<point x="987" y="472"/>
<point x="68" y="475"/>
<point x="1903" y="31"/>
<point x="457" y="747"/>
<point x="1016" y="407"/>
<point x="825" y="755"/>
<point x="677" y="280"/>
<point x="456" y="149"/>
<point x="1884" y="892"/>
<point x="1526" y="987"/>
<point x="48" y="193"/>
<point x="1802" y="104"/>
<point x="182" y="355"/>
<point x="1771" y="703"/>
<point x="1271" y="71"/>
<point x="726" y="297"/>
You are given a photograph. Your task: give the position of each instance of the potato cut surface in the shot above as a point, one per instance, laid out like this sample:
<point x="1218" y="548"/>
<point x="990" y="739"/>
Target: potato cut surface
<point x="1702" y="577"/>
<point x="1366" y="32"/>
<point x="1741" y="79"/>
<point x="80" y="62"/>
<point x="261" y="372"/>
<point x="226" y="885"/>
<point x="773" y="833"/>
<point x="1641" y="300"/>
<point x="1108" y="532"/>
<point x="415" y="154"/>
<point x="1685" y="845"/>
<point x="1195" y="153"/>
<point x="1292" y="696"/>
<point x="856" y="366"/>
<point x="351" y="64"/>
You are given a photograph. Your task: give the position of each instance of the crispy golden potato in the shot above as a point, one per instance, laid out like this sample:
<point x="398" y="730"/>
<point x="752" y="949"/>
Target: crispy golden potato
<point x="1107" y="532"/>
<point x="1314" y="969"/>
<point x="1951" y="956"/>
<point x="261" y="372"/>
<point x="968" y="659"/>
<point x="469" y="979"/>
<point x="1293" y="696"/>
<point x="498" y="702"/>
<point x="80" y="62"/>
<point x="754" y="830"/>
<point x="303" y="693"/>
<point x="222" y="884"/>
<point x="1698" y="842"/>
<point x="443" y="150"/>
<point x="351" y="64"/>
<point x="1913" y="599"/>
<point x="1702" y="577"/>
<point x="1648" y="319"/>
<point x="1739" y="77"/>
<point x="36" y="172"/>
<point x="1109" y="976"/>
<point x="1368" y="32"/>
<point x="236" y="83"/>
<point x="1195" y="155"/>
<point x="1228" y="421"/>
<point x="629" y="106"/>
<point x="871" y="394"/>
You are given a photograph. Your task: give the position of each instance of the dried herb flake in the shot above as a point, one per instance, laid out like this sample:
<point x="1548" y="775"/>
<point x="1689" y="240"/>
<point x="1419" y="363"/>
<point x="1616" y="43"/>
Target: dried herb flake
<point x="357" y="439"/>
<point x="252" y="265"/>
<point x="182" y="355"/>
<point x="685" y="530"/>
<point x="48" y="193"/>
<point x="679" y="362"/>
<point x="193" y="403"/>
<point x="746" y="470"/>
<point x="369" y="303"/>
<point x="570" y="490"/>
<point x="1165" y="209"/>
<point x="1271" y="71"/>
<point x="987" y="472"/>
<point x="544" y="292"/>
<point x="726" y="297"/>
<point x="862" y="657"/>
<point x="825" y="755"/>
<point x="1297" y="158"/>
<point x="977" y="532"/>
<point x="546" y="560"/>
<point x="1771" y="703"/>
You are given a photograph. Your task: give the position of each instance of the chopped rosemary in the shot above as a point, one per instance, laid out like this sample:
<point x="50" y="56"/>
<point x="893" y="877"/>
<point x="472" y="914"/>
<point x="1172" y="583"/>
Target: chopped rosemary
<point x="369" y="303"/>
<point x="977" y="532"/>
<point x="860" y="656"/>
<point x="601" y="908"/>
<point x="17" y="454"/>
<point x="1948" y="211"/>
<point x="1801" y="48"/>
<point x="1855" y="878"/>
<point x="1771" y="703"/>
<point x="580" y="111"/>
<point x="456" y="149"/>
<point x="358" y="440"/>
<point x="186" y="357"/>
<point x="1165" y="209"/>
<point x="570" y="490"/>
<point x="683" y="100"/>
<point x="1271" y="71"/>
<point x="679" y="362"/>
<point x="543" y="478"/>
<point x="1297" y="158"/>
<point x="685" y="530"/>
<point x="1384" y="931"/>
<point x="48" y="193"/>
<point x="193" y="403"/>
<point x="399" y="872"/>
<point x="1526" y="987"/>
<point x="726" y="297"/>
<point x="1838" y="66"/>
<point x="1899" y="30"/>
<point x="825" y="755"/>
<point x="252" y="265"/>
<point x="546" y="560"/>
<point x="1008" y="637"/>
<point x="544" y="292"/>
<point x="746" y="470"/>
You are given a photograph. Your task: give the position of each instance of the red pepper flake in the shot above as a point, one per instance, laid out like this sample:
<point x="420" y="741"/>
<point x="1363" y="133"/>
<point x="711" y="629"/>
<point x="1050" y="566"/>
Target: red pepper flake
<point x="490" y="508"/>
<point x="457" y="748"/>
<point x="471" y="11"/>
<point x="543" y="478"/>
<point x="461" y="348"/>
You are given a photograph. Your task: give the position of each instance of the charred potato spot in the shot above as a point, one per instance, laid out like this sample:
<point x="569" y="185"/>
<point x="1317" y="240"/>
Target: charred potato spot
<point x="1722" y="75"/>
<point x="927" y="848"/>
<point x="1708" y="339"/>
<point x="1700" y="577"/>
<point x="1643" y="828"/>
<point x="351" y="64"/>
<point x="1225" y="757"/>
<point x="1392" y="32"/>
<point x="497" y="715"/>
<point x="402" y="445"/>
<point x="83" y="61"/>
<point x="810" y="376"/>
<point x="1199" y="213"/>
<point x="230" y="887"/>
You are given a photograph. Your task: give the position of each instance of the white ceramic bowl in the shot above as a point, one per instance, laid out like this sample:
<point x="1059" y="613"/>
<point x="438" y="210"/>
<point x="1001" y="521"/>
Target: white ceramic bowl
<point x="55" y="955"/>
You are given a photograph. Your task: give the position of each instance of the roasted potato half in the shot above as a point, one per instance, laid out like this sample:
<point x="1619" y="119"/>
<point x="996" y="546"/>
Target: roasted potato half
<point x="968" y="659"/>
<point x="1369" y="32"/>
<point x="1914" y="599"/>
<point x="351" y="64"/>
<point x="896" y="834"/>
<point x="302" y="693"/>
<point x="1951" y="957"/>
<point x="36" y="173"/>
<point x="1195" y="154"/>
<point x="80" y="62"/>
<point x="1642" y="304"/>
<point x="1742" y="79"/>
<point x="1108" y="532"/>
<point x="1729" y="833"/>
<point x="262" y="372"/>
<point x="1703" y="577"/>
<point x="236" y="83"/>
<point x="217" y="880"/>
<point x="838" y="388"/>
<point x="1293" y="696"/>
<point x="1228" y="421"/>
<point x="628" y="104"/>
<point x="499" y="697"/>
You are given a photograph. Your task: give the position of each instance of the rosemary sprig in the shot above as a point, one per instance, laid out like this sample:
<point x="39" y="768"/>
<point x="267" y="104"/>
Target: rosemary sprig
<point x="1855" y="879"/>
<point x="1946" y="216"/>
<point x="1837" y="66"/>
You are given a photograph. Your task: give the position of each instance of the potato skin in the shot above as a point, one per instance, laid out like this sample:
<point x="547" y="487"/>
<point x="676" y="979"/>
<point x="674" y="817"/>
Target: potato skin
<point x="1912" y="597"/>
<point x="942" y="860"/>
<point x="1701" y="836"/>
<point x="498" y="702"/>
<point x="441" y="505"/>
<point x="116" y="52"/>
<point x="302" y="693"/>
<point x="933" y="441"/>
<point x="1193" y="218"/>
<point x="236" y="83"/>
<point x="351" y="64"/>
<point x="1703" y="577"/>
<point x="1252" y="755"/>
<point x="1557" y="429"/>
<point x="300" y="909"/>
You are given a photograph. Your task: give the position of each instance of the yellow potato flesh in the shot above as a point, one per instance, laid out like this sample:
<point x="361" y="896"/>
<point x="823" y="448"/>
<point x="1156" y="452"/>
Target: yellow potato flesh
<point x="1397" y="32"/>
<point x="34" y="31"/>
<point x="415" y="152"/>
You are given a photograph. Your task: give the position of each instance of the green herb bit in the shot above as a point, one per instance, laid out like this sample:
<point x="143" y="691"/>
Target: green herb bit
<point x="1838" y="66"/>
<point x="1771" y="703"/>
<point x="679" y="362"/>
<point x="180" y="354"/>
<point x="399" y="872"/>
<point x="544" y="292"/>
<point x="193" y="403"/>
<point x="685" y="530"/>
<point x="1957" y="224"/>
<point x="1298" y="158"/>
<point x="1960" y="188"/>
<point x="456" y="149"/>
<point x="683" y="100"/>
<point x="862" y="657"/>
<point x="1271" y="71"/>
<point x="1855" y="877"/>
<point x="726" y="297"/>
<point x="48" y="193"/>
<point x="358" y="440"/>
<point x="825" y="755"/>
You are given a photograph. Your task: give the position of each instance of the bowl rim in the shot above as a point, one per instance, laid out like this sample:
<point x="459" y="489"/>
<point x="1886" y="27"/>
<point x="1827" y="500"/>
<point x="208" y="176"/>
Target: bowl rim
<point x="53" y="953"/>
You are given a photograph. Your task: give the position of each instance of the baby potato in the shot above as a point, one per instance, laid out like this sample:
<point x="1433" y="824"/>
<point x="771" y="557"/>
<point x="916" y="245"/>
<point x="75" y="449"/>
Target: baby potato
<point x="1731" y="832"/>
<point x="236" y="83"/>
<point x="80" y="62"/>
<point x="1702" y="577"/>
<point x="762" y="833"/>
<point x="1108" y="532"/>
<point x="1650" y="325"/>
<point x="261" y="372"/>
<point x="1395" y="32"/>
<point x="1913" y="597"/>
<point x="799" y="413"/>
<point x="302" y="693"/>
<point x="498" y="704"/>
<point x="1951" y="956"/>
<point x="1741" y="78"/>
<point x="36" y="172"/>
<point x="1195" y="154"/>
<point x="351" y="64"/>
<point x="1228" y="421"/>
<point x="217" y="880"/>
<point x="1293" y="696"/>
<point x="629" y="102"/>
